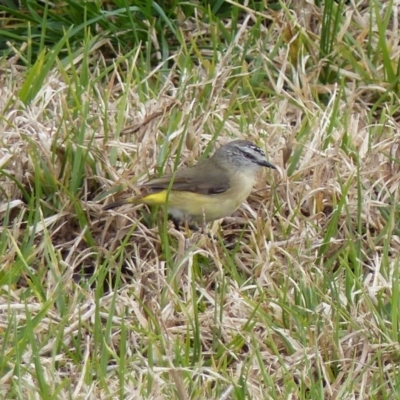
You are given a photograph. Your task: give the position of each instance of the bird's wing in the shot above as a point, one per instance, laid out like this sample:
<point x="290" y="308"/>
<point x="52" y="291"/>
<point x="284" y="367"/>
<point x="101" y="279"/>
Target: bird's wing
<point x="210" y="181"/>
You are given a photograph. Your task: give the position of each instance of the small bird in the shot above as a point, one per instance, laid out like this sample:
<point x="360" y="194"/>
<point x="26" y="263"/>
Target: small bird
<point x="209" y="190"/>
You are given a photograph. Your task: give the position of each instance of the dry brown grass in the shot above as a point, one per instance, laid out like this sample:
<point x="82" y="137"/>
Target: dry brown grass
<point x="305" y="303"/>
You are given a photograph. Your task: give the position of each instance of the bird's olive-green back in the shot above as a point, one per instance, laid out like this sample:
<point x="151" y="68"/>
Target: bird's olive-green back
<point x="206" y="177"/>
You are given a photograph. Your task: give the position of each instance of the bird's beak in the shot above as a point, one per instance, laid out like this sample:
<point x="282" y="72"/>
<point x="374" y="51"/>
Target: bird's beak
<point x="267" y="164"/>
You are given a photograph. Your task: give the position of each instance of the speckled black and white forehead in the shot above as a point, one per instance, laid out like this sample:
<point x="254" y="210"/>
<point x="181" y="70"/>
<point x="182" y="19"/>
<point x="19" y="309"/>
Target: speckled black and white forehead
<point x="243" y="153"/>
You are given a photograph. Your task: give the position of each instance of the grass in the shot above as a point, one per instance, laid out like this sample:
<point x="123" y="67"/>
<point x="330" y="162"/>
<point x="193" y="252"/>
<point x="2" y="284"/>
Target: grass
<point x="297" y="293"/>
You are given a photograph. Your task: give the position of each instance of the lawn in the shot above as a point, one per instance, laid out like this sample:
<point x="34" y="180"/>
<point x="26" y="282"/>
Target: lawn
<point x="294" y="296"/>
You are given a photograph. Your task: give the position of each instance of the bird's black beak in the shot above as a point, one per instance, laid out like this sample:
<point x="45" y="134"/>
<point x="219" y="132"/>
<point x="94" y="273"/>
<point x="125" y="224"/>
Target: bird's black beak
<point x="267" y="164"/>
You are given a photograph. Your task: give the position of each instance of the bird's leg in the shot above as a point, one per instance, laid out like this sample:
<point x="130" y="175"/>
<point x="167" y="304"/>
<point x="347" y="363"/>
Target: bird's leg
<point x="176" y="223"/>
<point x="193" y="228"/>
<point x="189" y="225"/>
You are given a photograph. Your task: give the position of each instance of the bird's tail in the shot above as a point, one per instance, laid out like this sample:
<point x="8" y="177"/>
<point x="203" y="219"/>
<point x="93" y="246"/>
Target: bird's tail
<point x="129" y="200"/>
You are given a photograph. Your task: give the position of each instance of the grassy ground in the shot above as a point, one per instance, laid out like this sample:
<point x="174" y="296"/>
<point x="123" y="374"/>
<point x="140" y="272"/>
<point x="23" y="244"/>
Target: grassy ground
<point x="118" y="304"/>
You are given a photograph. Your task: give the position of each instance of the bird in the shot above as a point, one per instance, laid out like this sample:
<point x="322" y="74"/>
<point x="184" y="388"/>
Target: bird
<point x="209" y="190"/>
